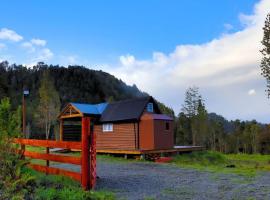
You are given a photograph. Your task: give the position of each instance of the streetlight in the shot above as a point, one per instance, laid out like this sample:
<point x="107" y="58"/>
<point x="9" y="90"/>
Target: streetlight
<point x="25" y="94"/>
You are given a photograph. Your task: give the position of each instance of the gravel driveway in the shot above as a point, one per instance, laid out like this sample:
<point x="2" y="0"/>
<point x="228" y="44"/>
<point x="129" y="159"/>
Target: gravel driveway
<point x="145" y="180"/>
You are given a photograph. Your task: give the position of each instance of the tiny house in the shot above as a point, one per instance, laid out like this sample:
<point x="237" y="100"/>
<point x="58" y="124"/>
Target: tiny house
<point x="134" y="124"/>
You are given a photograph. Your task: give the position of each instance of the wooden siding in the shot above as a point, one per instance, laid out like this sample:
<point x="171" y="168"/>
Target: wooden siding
<point x="122" y="137"/>
<point x="72" y="132"/>
<point x="163" y="138"/>
<point x="153" y="135"/>
<point x="146" y="133"/>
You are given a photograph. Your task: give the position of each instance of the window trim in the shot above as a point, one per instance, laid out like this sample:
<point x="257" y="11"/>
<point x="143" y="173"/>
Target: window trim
<point x="152" y="107"/>
<point x="107" y="127"/>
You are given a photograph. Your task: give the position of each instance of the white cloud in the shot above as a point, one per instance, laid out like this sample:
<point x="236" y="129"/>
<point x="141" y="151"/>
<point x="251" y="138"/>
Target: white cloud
<point x="45" y="54"/>
<point x="251" y="92"/>
<point x="39" y="42"/>
<point x="29" y="46"/>
<point x="223" y="68"/>
<point x="7" y="34"/>
<point x="127" y="60"/>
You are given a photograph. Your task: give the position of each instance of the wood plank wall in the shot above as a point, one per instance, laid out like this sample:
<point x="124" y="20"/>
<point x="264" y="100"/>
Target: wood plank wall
<point x="72" y="132"/>
<point x="122" y="137"/>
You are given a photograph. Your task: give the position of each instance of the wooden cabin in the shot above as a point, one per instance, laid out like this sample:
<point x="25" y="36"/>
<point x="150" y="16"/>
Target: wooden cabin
<point x="135" y="124"/>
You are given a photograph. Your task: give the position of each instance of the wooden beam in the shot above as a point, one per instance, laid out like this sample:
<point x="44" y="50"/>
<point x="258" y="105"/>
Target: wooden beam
<point x="49" y="143"/>
<point x="85" y="169"/>
<point x="61" y="129"/>
<point x="53" y="157"/>
<point x="51" y="170"/>
<point x="70" y="116"/>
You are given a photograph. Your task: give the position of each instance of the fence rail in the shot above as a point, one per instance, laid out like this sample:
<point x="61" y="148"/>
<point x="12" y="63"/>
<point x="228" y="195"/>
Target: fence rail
<point x="51" y="157"/>
<point x="50" y="143"/>
<point x="87" y="161"/>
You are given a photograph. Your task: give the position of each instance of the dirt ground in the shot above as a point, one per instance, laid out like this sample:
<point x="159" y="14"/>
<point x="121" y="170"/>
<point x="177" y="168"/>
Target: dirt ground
<point x="146" y="180"/>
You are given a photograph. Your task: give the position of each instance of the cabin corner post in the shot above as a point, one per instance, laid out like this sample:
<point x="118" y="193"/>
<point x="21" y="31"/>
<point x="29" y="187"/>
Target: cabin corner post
<point x="61" y="130"/>
<point x="85" y="168"/>
<point x="93" y="173"/>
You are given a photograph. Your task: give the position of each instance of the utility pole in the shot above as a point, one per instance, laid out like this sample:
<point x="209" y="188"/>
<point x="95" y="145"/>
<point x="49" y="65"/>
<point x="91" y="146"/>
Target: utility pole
<point x="25" y="94"/>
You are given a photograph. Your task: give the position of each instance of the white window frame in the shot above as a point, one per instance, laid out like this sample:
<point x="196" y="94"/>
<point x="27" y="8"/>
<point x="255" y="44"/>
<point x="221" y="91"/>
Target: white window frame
<point x="150" y="105"/>
<point x="108" y="127"/>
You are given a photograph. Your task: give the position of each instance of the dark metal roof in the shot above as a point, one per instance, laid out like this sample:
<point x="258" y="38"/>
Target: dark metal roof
<point x="126" y="110"/>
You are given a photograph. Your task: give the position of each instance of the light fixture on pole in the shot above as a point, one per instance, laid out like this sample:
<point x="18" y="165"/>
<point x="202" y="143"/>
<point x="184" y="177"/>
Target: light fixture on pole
<point x="25" y="94"/>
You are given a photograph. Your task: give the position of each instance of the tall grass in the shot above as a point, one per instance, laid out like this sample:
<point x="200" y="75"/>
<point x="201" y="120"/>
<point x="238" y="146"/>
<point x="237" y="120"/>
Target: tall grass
<point x="242" y="164"/>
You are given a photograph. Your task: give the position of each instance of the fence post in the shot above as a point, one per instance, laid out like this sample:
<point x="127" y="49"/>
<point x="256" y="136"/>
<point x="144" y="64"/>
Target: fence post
<point x="85" y="168"/>
<point x="93" y="174"/>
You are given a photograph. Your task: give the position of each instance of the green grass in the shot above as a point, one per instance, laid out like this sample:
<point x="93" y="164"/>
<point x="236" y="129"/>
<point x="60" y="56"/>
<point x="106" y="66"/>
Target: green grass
<point x="35" y="149"/>
<point x="244" y="164"/>
<point x="62" y="188"/>
<point x="113" y="158"/>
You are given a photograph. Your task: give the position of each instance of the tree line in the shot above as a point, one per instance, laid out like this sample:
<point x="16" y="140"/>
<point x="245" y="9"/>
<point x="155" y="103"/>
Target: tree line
<point x="195" y="126"/>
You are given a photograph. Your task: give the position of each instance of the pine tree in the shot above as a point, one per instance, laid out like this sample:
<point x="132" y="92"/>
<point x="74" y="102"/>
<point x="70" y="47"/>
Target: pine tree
<point x="265" y="62"/>
<point x="194" y="109"/>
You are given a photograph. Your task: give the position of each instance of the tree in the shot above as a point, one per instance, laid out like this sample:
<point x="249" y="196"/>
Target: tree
<point x="13" y="183"/>
<point x="183" y="130"/>
<point x="265" y="62"/>
<point x="49" y="104"/>
<point x="10" y="122"/>
<point x="194" y="109"/>
<point x="191" y="102"/>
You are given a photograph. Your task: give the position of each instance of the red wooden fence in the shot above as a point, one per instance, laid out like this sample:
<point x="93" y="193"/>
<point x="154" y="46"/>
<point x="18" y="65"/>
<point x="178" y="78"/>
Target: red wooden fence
<point x="87" y="177"/>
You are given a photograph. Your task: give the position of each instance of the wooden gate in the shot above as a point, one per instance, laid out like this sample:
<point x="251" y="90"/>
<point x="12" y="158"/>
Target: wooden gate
<point x="87" y="160"/>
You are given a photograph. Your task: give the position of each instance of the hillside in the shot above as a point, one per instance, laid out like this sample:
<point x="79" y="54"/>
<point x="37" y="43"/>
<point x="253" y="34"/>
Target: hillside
<point x="73" y="83"/>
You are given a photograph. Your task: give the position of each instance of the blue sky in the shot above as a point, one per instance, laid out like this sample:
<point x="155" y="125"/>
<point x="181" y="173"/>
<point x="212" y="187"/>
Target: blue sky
<point x="100" y="31"/>
<point x="161" y="46"/>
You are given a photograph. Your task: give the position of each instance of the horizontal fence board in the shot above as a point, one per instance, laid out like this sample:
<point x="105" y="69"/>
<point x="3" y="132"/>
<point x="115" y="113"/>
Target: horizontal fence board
<point x="49" y="143"/>
<point x="53" y="157"/>
<point x="56" y="171"/>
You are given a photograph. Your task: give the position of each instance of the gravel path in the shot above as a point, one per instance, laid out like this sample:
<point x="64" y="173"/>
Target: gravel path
<point x="140" y="180"/>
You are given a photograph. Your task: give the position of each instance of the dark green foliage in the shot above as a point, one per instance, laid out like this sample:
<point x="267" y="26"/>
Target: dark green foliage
<point x="13" y="183"/>
<point x="166" y="110"/>
<point x="74" y="83"/>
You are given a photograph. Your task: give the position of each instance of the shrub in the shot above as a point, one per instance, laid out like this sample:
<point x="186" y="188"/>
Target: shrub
<point x="13" y="183"/>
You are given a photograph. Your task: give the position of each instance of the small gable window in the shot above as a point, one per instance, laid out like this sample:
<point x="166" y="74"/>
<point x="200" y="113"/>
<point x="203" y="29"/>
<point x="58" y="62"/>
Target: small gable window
<point x="107" y="127"/>
<point x="167" y="126"/>
<point x="150" y="107"/>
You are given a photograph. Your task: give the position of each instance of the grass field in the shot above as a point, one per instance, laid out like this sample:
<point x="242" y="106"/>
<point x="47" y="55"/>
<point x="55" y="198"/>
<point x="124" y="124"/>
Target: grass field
<point x="50" y="187"/>
<point x="242" y="164"/>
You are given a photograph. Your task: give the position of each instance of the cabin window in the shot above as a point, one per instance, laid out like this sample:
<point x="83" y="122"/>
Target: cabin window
<point x="150" y="107"/>
<point x="167" y="126"/>
<point x="107" y="127"/>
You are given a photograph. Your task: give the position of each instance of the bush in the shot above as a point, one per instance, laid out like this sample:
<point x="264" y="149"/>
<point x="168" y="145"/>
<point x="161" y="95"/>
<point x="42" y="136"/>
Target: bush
<point x="13" y="183"/>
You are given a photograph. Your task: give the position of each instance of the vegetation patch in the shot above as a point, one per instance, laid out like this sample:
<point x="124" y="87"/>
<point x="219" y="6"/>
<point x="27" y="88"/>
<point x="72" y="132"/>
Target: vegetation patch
<point x="49" y="187"/>
<point x="243" y="164"/>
